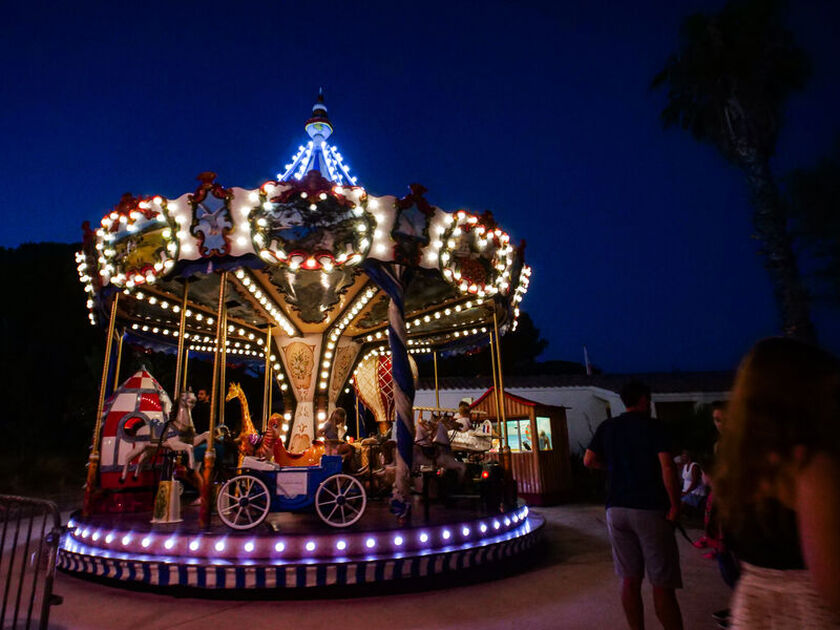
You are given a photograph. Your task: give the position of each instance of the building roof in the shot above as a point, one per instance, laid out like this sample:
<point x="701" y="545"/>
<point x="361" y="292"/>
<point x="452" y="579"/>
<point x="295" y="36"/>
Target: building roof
<point x="659" y="382"/>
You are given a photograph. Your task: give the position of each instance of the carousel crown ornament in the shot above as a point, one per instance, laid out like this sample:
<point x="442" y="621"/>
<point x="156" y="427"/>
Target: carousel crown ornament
<point x="305" y="277"/>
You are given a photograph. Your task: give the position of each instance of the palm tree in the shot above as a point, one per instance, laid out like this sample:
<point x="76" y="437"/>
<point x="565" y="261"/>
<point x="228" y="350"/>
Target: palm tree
<point x="727" y="85"/>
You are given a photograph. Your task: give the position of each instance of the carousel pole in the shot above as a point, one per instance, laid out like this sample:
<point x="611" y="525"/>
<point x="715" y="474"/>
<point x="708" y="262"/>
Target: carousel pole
<point x="437" y="389"/>
<point x="358" y="411"/>
<point x="505" y="455"/>
<point x="119" y="359"/>
<point x="501" y="378"/>
<point x="210" y="453"/>
<point x="223" y="367"/>
<point x="267" y="382"/>
<point x="496" y="399"/>
<point x="182" y="326"/>
<point x="93" y="460"/>
<point x="186" y="365"/>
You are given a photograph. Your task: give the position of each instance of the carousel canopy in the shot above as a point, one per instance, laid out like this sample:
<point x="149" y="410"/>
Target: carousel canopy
<point x="302" y="250"/>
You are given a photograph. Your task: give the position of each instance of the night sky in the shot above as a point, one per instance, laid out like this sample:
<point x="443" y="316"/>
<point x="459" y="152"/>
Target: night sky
<point x="639" y="237"/>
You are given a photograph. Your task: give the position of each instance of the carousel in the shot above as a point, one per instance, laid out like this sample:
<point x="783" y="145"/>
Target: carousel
<point x="323" y="288"/>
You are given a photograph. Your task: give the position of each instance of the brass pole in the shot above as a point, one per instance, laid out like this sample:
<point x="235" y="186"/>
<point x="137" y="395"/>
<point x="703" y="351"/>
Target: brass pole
<point x="499" y="366"/>
<point x="358" y="412"/>
<point x="119" y="360"/>
<point x="437" y="390"/>
<point x="223" y="368"/>
<point x="267" y="383"/>
<point x="270" y="392"/>
<point x="182" y="326"/>
<point x="93" y="460"/>
<point x="495" y="388"/>
<point x="186" y="366"/>
<point x="505" y="454"/>
<point x="210" y="453"/>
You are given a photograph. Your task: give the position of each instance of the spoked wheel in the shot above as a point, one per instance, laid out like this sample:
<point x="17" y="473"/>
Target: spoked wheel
<point x="340" y="500"/>
<point x="243" y="502"/>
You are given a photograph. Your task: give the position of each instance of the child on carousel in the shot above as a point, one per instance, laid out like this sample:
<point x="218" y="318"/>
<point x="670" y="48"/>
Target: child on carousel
<point x="333" y="432"/>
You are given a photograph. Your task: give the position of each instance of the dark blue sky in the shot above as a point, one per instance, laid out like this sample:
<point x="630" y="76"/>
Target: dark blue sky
<point x="639" y="238"/>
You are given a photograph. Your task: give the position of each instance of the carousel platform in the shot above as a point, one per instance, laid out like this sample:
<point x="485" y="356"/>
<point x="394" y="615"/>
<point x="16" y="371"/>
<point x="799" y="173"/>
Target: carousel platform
<point x="293" y="551"/>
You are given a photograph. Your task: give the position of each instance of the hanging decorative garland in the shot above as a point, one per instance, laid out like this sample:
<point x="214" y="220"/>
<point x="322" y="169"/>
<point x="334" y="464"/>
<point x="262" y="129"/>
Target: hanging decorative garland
<point x="476" y="256"/>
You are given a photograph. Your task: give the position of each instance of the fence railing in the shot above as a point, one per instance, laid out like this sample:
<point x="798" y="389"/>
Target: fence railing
<point x="30" y="530"/>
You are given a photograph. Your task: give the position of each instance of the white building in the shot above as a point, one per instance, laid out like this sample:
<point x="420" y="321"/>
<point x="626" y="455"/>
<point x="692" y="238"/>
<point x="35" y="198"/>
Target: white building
<point x="589" y="400"/>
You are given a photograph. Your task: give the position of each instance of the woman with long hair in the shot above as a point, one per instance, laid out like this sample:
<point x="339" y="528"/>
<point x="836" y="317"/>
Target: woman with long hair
<point x="778" y="486"/>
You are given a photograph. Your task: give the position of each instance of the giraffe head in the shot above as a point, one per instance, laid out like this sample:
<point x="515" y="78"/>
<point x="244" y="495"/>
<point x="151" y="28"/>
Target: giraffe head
<point x="233" y="391"/>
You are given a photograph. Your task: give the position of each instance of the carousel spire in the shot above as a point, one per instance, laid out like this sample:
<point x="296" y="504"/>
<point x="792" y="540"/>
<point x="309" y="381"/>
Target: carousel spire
<point x="318" y="154"/>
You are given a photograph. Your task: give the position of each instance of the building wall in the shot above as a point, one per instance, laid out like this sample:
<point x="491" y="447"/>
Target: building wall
<point x="586" y="407"/>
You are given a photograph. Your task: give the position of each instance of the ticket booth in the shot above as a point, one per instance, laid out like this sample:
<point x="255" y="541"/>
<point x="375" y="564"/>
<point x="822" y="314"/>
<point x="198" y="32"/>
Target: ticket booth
<point x="539" y="442"/>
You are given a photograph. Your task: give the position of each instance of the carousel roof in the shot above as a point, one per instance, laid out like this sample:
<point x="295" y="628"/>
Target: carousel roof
<point x="299" y="249"/>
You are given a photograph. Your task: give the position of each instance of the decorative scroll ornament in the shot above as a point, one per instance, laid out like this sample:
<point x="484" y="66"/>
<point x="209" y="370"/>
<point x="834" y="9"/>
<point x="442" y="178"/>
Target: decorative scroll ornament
<point x="311" y="224"/>
<point x="411" y="226"/>
<point x="212" y="221"/>
<point x="476" y="255"/>
<point x="137" y="242"/>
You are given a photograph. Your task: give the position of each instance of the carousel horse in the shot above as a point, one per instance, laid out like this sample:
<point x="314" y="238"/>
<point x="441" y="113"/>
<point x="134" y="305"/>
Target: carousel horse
<point x="436" y="452"/>
<point x="178" y="436"/>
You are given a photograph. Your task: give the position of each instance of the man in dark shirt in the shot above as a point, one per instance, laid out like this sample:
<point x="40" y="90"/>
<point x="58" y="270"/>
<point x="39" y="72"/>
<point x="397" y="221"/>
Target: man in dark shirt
<point x="201" y="412"/>
<point x="643" y="502"/>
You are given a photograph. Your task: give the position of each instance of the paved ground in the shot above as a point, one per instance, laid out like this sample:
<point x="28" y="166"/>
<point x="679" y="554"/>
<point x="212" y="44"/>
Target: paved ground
<point x="567" y="583"/>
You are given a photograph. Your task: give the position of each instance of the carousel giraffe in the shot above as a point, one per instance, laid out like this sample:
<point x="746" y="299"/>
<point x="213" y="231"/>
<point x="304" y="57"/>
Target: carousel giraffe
<point x="249" y="434"/>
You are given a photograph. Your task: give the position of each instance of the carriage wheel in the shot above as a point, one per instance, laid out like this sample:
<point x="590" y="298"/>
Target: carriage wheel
<point x="340" y="500"/>
<point x="243" y="502"/>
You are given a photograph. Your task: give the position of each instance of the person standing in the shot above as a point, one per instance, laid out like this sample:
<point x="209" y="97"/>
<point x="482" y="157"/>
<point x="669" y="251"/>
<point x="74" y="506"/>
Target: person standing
<point x="777" y="483"/>
<point x="643" y="503"/>
<point x="201" y="412"/>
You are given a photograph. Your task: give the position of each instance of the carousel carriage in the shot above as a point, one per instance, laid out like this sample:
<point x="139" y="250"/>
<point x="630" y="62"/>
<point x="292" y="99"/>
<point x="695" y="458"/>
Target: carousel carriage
<point x="244" y="501"/>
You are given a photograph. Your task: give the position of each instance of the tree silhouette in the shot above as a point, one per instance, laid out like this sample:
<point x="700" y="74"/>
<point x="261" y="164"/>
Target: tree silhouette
<point x="728" y="85"/>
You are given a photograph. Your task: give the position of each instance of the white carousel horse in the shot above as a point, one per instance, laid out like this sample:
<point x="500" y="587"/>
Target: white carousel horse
<point x="437" y="453"/>
<point x="180" y="436"/>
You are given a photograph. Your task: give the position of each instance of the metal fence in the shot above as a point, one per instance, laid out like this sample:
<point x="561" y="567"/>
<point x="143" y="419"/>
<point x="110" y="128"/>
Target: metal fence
<point x="31" y="529"/>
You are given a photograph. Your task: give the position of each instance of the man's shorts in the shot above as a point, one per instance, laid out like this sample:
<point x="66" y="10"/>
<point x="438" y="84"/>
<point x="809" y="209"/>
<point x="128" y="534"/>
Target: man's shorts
<point x="644" y="539"/>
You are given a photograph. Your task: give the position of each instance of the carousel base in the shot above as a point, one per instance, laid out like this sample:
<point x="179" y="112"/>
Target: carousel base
<point x="292" y="551"/>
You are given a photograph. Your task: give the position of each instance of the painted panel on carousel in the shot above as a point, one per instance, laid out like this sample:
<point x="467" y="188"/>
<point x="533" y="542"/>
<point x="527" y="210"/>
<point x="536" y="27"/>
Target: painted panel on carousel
<point x="344" y="357"/>
<point x="311" y="224"/>
<point x="300" y="364"/>
<point x="312" y="294"/>
<point x="212" y="221"/>
<point x="137" y="242"/>
<point x="410" y="231"/>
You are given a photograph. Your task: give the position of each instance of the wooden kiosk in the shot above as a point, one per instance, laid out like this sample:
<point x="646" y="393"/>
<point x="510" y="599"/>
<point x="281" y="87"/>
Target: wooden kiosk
<point x="539" y="442"/>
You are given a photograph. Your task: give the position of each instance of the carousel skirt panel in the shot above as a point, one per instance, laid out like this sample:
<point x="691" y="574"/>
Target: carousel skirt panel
<point x="294" y="563"/>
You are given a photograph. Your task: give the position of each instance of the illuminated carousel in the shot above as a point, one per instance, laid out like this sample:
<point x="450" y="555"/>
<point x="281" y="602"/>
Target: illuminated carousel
<point x="322" y="286"/>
